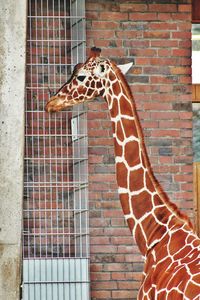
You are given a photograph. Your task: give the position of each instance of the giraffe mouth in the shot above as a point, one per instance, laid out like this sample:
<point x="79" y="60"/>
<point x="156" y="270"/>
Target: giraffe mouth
<point x="56" y="104"/>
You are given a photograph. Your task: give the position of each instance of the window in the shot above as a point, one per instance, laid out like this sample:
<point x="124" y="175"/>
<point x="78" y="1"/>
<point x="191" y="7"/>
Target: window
<point x="195" y="53"/>
<point x="195" y="11"/>
<point x="196" y="106"/>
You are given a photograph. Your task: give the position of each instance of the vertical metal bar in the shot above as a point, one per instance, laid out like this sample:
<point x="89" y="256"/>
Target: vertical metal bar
<point x="38" y="229"/>
<point x="27" y="139"/>
<point x="43" y="217"/>
<point x="71" y="239"/>
<point x="36" y="141"/>
<point x="61" y="155"/>
<point x="54" y="145"/>
<point x="77" y="190"/>
<point x="35" y="161"/>
<point x="49" y="84"/>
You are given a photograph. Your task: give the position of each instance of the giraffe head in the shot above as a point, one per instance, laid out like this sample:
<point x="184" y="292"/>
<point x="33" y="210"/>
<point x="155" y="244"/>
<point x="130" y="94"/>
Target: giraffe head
<point x="89" y="80"/>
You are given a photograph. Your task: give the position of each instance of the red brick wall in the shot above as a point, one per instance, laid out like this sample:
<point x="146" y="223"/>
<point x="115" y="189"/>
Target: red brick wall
<point x="156" y="37"/>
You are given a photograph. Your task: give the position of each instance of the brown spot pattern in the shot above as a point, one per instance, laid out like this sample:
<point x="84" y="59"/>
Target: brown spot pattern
<point x="132" y="153"/>
<point x="136" y="180"/>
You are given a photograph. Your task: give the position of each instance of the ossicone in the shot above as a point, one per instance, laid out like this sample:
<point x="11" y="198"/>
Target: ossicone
<point x="94" y="52"/>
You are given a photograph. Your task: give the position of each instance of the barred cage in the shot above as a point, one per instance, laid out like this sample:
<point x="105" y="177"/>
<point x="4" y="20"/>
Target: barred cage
<point x="55" y="231"/>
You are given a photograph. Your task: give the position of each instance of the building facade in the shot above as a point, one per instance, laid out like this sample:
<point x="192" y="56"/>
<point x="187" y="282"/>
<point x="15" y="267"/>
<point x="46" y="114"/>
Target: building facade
<point x="156" y="37"/>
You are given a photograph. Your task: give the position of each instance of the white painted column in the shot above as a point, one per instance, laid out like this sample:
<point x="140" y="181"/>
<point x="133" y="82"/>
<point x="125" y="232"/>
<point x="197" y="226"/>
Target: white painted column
<point x="12" y="85"/>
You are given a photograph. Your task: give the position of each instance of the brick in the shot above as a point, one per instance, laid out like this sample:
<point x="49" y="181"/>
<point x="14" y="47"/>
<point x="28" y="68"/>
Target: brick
<point x="143" y="17"/>
<point x="181" y="52"/>
<point x="162" y="26"/>
<point x="157" y="106"/>
<point x="129" y="34"/>
<point x="99" y="240"/>
<point x="185" y="80"/>
<point x="128" y="7"/>
<point x="104" y="249"/>
<point x="114" y="16"/>
<point x="184" y="26"/>
<point x="181" y="35"/>
<point x="150" y="124"/>
<point x="117" y="51"/>
<point x="101" y="294"/>
<point x="118" y="275"/>
<point x="118" y="222"/>
<point x="143" y="52"/>
<point x="100" y="276"/>
<point x="126" y="285"/>
<point x="123" y="293"/>
<point x="165" y="133"/>
<point x="164" y="79"/>
<point x="163" y="7"/>
<point x="185" y="115"/>
<point x="93" y="6"/>
<point x="180" y="70"/>
<point x="95" y="159"/>
<point x="122" y="240"/>
<point x="111" y="205"/>
<point x="184" y="7"/>
<point x="185" y="44"/>
<point x="164" y="16"/>
<point x="163" y="61"/>
<point x="175" y="124"/>
<point x="183" y="178"/>
<point x="92" y="15"/>
<point x="105" y="25"/>
<point x="164" y="52"/>
<point x="118" y="267"/>
<point x="164" y="43"/>
<point x="112" y="214"/>
<point x="157" y="35"/>
<point x="107" y="34"/>
<point x="136" y="43"/>
<point x="182" y="17"/>
<point x="105" y="285"/>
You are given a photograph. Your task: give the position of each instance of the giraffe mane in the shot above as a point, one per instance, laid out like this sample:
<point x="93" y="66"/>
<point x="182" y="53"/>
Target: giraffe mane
<point x="164" y="197"/>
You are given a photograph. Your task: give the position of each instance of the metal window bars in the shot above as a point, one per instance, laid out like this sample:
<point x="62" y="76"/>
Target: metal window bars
<point x="55" y="231"/>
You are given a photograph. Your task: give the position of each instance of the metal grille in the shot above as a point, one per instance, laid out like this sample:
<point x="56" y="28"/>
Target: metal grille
<point x="55" y="236"/>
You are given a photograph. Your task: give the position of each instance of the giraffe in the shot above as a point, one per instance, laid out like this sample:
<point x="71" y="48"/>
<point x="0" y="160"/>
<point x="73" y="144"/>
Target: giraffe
<point x="164" y="235"/>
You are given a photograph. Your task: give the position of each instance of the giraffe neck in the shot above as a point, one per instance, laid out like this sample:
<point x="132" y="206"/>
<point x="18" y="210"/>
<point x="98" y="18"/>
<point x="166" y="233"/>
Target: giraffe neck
<point x="148" y="211"/>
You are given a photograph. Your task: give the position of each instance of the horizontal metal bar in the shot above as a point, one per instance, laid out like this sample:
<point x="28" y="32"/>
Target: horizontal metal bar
<point x="60" y="112"/>
<point x="56" y="134"/>
<point x="49" y="64"/>
<point x="55" y="282"/>
<point x="80" y="159"/>
<point x="56" y="186"/>
<point x="56" y="40"/>
<point x="57" y="209"/>
<point x="58" y="258"/>
<point x="56" y="17"/>
<point x="57" y="182"/>
<point x="55" y="233"/>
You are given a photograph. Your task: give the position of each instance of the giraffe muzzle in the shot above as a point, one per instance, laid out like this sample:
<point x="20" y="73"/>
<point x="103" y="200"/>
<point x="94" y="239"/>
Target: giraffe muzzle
<point x="56" y="104"/>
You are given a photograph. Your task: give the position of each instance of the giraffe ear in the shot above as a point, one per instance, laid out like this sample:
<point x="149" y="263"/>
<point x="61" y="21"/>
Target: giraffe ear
<point x="125" y="68"/>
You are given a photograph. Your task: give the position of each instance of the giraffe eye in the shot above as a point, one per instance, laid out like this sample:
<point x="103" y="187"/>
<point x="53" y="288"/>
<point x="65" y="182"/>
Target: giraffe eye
<point x="102" y="68"/>
<point x="81" y="78"/>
